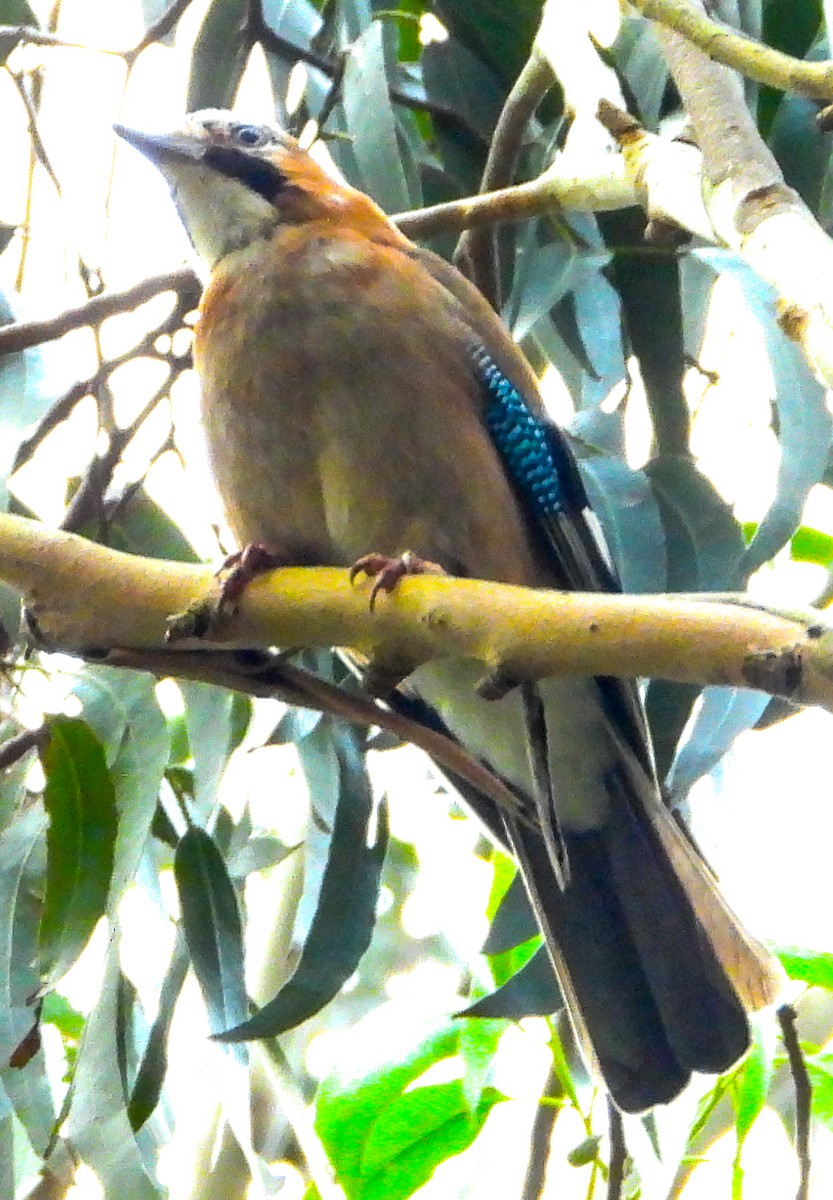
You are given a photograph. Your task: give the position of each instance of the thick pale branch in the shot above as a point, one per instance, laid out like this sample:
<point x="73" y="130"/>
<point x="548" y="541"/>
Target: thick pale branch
<point x="751" y="207"/>
<point x="83" y="596"/>
<point x="750" y="58"/>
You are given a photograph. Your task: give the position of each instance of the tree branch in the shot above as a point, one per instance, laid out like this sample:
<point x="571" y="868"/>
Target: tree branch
<point x="24" y="334"/>
<point x="81" y="596"/>
<point x="750" y="206"/>
<point x="752" y="59"/>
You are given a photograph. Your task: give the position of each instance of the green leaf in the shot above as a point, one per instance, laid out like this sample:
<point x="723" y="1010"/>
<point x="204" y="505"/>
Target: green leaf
<point x="820" y="1070"/>
<point x="219" y="57"/>
<point x="142" y="527"/>
<point x="14" y="12"/>
<point x="97" y="1123"/>
<point x="479" y="1042"/>
<point x="122" y="709"/>
<point x="811" y="545"/>
<point x="531" y="991"/>
<point x="626" y="506"/>
<point x="750" y="1086"/>
<point x="514" y="922"/>
<point x="724" y="714"/>
<point x="147" y="1086"/>
<point x="346" y="914"/>
<point x="80" y="801"/>
<point x="211" y="923"/>
<point x="413" y="1136"/>
<point x="216" y="720"/>
<point x="498" y="33"/>
<point x="354" y="1105"/>
<point x="23" y="397"/>
<point x="813" y="967"/>
<point x="371" y="123"/>
<point x="649" y="289"/>
<point x="21" y="845"/>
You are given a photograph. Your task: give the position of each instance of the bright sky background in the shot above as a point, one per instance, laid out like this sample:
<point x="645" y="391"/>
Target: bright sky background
<point x="768" y="831"/>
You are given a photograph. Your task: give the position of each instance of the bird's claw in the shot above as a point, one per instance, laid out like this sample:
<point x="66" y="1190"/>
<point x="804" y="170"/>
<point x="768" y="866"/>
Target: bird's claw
<point x="386" y="571"/>
<point x="242" y="567"/>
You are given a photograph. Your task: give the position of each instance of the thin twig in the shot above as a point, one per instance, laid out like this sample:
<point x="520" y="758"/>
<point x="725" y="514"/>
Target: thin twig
<point x="268" y="674"/>
<point x="803" y="1096"/>
<point x="34" y="132"/>
<point x="159" y="29"/>
<point x="618" y="1153"/>
<point x="261" y="32"/>
<point x="476" y="251"/>
<point x="12" y="750"/>
<point x="12" y="35"/>
<point x="539" y="1148"/>
<point x="33" y="333"/>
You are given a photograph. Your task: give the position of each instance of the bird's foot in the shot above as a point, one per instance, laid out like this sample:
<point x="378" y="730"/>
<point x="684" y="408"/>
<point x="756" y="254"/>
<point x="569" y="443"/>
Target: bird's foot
<point x="201" y="618"/>
<point x="240" y="568"/>
<point x="386" y="571"/>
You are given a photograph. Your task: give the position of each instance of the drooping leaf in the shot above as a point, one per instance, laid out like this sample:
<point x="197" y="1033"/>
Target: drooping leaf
<point x="804" y="423"/>
<point x="345" y="916"/>
<point x="143" y="527"/>
<point x="28" y="1091"/>
<point x="414" y="1136"/>
<point x="219" y="56"/>
<point x="211" y="923"/>
<point x="704" y="542"/>
<point x="626" y="506"/>
<point x="514" y="921"/>
<point x="531" y="991"/>
<point x="725" y="714"/>
<point x="479" y="1042"/>
<point x="23" y="397"/>
<point x="820" y="1070"/>
<point x="216" y="720"/>
<point x="150" y="1076"/>
<point x="371" y="123"/>
<point x="97" y="1123"/>
<point x="79" y="798"/>
<point x="638" y="57"/>
<point x="500" y="35"/>
<point x="750" y="1086"/>
<point x="122" y="709"/>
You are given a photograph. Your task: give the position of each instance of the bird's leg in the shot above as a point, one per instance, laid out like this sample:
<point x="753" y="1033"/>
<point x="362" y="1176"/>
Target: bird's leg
<point x="386" y="571"/>
<point x="244" y="565"/>
<point x="234" y="576"/>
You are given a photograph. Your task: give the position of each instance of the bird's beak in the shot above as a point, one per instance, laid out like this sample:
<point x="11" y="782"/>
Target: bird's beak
<point x="159" y="147"/>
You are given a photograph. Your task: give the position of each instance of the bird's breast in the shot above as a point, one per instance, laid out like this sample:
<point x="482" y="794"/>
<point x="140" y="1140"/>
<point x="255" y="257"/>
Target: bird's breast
<point x="338" y="408"/>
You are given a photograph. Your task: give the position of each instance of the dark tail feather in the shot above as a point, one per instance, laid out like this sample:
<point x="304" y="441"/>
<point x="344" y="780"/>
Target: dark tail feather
<point x="649" y="998"/>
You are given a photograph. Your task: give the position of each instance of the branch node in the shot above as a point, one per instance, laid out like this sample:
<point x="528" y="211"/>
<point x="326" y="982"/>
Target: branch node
<point x="496" y="684"/>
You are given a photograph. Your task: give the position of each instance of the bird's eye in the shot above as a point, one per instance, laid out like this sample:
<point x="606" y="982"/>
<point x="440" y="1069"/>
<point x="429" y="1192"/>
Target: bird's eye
<point x="248" y="135"/>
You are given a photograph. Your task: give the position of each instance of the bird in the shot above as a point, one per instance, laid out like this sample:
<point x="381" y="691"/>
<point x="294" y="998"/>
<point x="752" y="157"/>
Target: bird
<point x="364" y="406"/>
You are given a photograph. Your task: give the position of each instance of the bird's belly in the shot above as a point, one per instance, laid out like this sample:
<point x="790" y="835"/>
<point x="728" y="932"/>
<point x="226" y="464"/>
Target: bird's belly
<point x="579" y="745"/>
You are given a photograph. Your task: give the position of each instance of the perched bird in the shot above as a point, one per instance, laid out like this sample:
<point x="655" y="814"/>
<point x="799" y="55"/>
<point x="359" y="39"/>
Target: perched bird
<point x="360" y="397"/>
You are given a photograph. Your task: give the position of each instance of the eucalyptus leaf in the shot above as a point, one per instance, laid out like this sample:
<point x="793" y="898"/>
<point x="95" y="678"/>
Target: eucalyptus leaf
<point x="371" y="122"/>
<point x="725" y="713"/>
<point x="219" y="56"/>
<point x="80" y="802"/>
<point x="532" y="991"/>
<point x="345" y="916"/>
<point x="211" y="923"/>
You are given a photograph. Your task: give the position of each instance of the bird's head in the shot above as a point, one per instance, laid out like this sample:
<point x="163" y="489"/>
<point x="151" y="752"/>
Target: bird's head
<point x="234" y="182"/>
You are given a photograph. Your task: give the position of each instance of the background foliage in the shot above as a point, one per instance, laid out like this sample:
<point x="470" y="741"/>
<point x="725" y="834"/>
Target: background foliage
<point x="167" y="835"/>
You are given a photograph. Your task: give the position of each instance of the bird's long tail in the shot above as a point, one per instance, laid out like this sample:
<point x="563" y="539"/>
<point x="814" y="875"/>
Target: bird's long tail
<point x="657" y="971"/>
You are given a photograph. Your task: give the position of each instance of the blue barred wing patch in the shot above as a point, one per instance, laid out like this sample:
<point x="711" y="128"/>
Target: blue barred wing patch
<point x="538" y="461"/>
